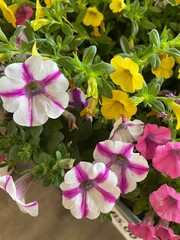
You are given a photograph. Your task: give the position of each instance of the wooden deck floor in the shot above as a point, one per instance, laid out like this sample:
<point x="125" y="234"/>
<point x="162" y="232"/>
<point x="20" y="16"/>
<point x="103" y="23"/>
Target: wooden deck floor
<point x="53" y="223"/>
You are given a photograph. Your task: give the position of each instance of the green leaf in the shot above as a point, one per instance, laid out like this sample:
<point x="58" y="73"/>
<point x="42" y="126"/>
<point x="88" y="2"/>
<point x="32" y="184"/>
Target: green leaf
<point x="173" y="52"/>
<point x="50" y="141"/>
<point x="89" y="54"/>
<point x="36" y="131"/>
<point x="154" y="38"/>
<point x="3" y="36"/>
<point x="157" y="105"/>
<point x="155" y="85"/>
<point x="155" y="61"/>
<point x="124" y="44"/>
<point x="102" y="68"/>
<point x="66" y="62"/>
<point x="66" y="29"/>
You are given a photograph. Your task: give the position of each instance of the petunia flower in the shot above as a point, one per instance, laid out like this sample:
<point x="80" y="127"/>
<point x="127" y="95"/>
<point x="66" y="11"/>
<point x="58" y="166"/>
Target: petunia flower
<point x="165" y="69"/>
<point x="164" y="232"/>
<point x="167" y="159"/>
<point x="126" y="74"/>
<point x="166" y="203"/>
<point x="77" y="99"/>
<point x="128" y="166"/>
<point x="93" y="17"/>
<point x="176" y="109"/>
<point x="126" y="131"/>
<point x="23" y="14"/>
<point x="152" y="137"/>
<point x="117" y="6"/>
<point x="144" y="229"/>
<point x="17" y="191"/>
<point x="119" y="104"/>
<point x="89" y="189"/>
<point x="9" y="12"/>
<point x="33" y="91"/>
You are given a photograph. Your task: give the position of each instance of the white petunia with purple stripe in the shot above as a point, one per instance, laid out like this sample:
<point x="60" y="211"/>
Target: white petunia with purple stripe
<point x="128" y="166"/>
<point x="89" y="189"/>
<point x="17" y="192"/>
<point x="33" y="91"/>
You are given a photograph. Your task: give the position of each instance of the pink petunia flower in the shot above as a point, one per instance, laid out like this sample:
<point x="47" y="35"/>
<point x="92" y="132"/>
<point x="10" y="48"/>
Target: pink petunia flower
<point x="167" y="159"/>
<point x="89" y="189"/>
<point x="166" y="203"/>
<point x="166" y="233"/>
<point x="17" y="192"/>
<point x="24" y="13"/>
<point x="152" y="137"/>
<point x="33" y="91"/>
<point x="126" y="131"/>
<point x="128" y="166"/>
<point x="143" y="230"/>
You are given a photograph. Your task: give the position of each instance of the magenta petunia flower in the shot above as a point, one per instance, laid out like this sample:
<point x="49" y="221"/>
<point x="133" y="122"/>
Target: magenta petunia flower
<point x="128" y="166"/>
<point x="152" y="137"/>
<point x="167" y="159"/>
<point x="166" y="203"/>
<point x="23" y="14"/>
<point x="89" y="189"/>
<point x="126" y="131"/>
<point x="17" y="191"/>
<point x="143" y="230"/>
<point x="166" y="233"/>
<point x="33" y="91"/>
<point x="77" y="99"/>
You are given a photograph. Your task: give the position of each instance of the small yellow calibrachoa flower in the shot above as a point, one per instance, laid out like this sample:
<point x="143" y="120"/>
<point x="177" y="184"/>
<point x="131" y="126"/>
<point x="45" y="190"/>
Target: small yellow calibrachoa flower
<point x="165" y="69"/>
<point x="120" y="103"/>
<point x="126" y="74"/>
<point x="39" y="10"/>
<point x="93" y="17"/>
<point x="176" y="109"/>
<point x="37" y="24"/>
<point x="117" y="6"/>
<point x="95" y="32"/>
<point x="9" y="12"/>
<point x="177" y="1"/>
<point x="50" y="2"/>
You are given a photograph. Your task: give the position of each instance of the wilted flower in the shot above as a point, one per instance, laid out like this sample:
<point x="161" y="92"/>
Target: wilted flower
<point x="17" y="192"/>
<point x="34" y="90"/>
<point x="126" y="131"/>
<point x="166" y="159"/>
<point x="93" y="17"/>
<point x="152" y="137"/>
<point x="89" y="189"/>
<point x="23" y="14"/>
<point x="126" y="74"/>
<point x="119" y="104"/>
<point x="166" y="203"/>
<point x="129" y="167"/>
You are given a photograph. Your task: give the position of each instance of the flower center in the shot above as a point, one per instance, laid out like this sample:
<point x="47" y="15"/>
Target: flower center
<point x="176" y="152"/>
<point x="33" y="88"/>
<point x="121" y="158"/>
<point x="87" y="184"/>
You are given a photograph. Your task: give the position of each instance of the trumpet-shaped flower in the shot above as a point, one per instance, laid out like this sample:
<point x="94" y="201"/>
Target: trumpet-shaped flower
<point x="117" y="6"/>
<point x="176" y="109"/>
<point x="126" y="131"/>
<point x="33" y="91"/>
<point x="126" y="74"/>
<point x="119" y="104"/>
<point x="17" y="192"/>
<point x="23" y="14"/>
<point x="166" y="203"/>
<point x="89" y="189"/>
<point x="93" y="17"/>
<point x="152" y="137"/>
<point x="166" y="233"/>
<point x="38" y="23"/>
<point x="8" y="12"/>
<point x="165" y="69"/>
<point x="129" y="167"/>
<point x="167" y="159"/>
<point x="50" y="2"/>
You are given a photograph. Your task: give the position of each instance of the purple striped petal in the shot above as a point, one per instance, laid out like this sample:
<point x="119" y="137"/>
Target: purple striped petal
<point x="123" y="183"/>
<point x="108" y="197"/>
<point x="101" y="177"/>
<point x="53" y="100"/>
<point x="71" y="193"/>
<point x="81" y="175"/>
<point x="13" y="93"/>
<point x="84" y="206"/>
<point x="50" y="78"/>
<point x="138" y="169"/>
<point x="27" y="75"/>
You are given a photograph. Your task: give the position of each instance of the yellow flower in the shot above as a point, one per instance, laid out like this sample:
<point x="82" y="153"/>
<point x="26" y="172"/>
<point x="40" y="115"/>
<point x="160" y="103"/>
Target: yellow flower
<point x="39" y="10"/>
<point x="95" y="32"/>
<point x="177" y="1"/>
<point x="113" y="108"/>
<point x="50" y="2"/>
<point x="93" y="17"/>
<point x="2" y="57"/>
<point x="126" y="74"/>
<point x="176" y="109"/>
<point x="36" y="24"/>
<point x="165" y="69"/>
<point x="92" y="88"/>
<point x="117" y="5"/>
<point x="34" y="50"/>
<point x="9" y="12"/>
<point x="178" y="74"/>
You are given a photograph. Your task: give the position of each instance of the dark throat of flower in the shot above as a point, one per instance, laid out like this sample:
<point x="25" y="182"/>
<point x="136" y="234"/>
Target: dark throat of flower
<point x="87" y="184"/>
<point x="33" y="88"/>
